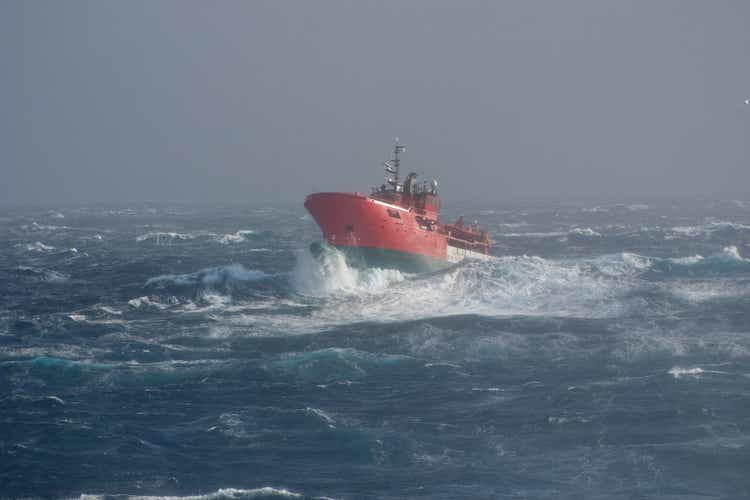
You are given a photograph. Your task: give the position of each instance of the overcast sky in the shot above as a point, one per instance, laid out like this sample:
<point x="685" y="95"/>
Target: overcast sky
<point x="253" y="101"/>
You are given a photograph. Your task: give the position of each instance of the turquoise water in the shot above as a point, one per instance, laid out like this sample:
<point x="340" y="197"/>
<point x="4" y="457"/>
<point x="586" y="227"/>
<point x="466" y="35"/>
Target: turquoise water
<point x="198" y="351"/>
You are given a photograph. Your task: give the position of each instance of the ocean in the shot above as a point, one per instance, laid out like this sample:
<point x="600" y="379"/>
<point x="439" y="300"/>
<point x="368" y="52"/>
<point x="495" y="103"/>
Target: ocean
<point x="200" y="352"/>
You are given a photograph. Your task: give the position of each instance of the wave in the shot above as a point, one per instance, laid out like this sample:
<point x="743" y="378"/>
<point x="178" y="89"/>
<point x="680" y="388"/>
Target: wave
<point x="549" y="234"/>
<point x="596" y="209"/>
<point x="574" y="232"/>
<point x="146" y="303"/>
<point x="264" y="493"/>
<point x="326" y="293"/>
<point x="586" y="231"/>
<point x="726" y="261"/>
<point x="707" y="230"/>
<point x="708" y="290"/>
<point x="236" y="237"/>
<point x="332" y="364"/>
<point x="505" y="286"/>
<point x="334" y="275"/>
<point x="45" y="275"/>
<point x="35" y="226"/>
<point x="166" y="237"/>
<point x="210" y="277"/>
<point x="39" y="247"/>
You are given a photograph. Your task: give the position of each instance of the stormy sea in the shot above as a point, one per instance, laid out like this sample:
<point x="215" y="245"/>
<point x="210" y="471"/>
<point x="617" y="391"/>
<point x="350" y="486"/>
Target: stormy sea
<point x="201" y="352"/>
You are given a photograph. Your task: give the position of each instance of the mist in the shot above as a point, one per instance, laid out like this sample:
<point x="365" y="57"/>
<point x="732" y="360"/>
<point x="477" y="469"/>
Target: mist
<point x="187" y="101"/>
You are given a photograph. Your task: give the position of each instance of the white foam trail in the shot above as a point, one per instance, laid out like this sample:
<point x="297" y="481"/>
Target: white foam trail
<point x="45" y="274"/>
<point x="596" y="209"/>
<point x="165" y="237"/>
<point x="586" y="231"/>
<point x="236" y="237"/>
<point x="730" y="254"/>
<point x="702" y="291"/>
<point x="576" y="231"/>
<point x="706" y="229"/>
<point x="35" y="226"/>
<point x="39" y="247"/>
<point x="221" y="494"/>
<point x="678" y="372"/>
<point x="327" y="419"/>
<point x="504" y="286"/>
<point x="145" y="301"/>
<point x="210" y="276"/>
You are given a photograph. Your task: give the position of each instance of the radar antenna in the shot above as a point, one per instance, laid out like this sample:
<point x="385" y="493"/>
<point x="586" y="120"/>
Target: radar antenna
<point x="392" y="165"/>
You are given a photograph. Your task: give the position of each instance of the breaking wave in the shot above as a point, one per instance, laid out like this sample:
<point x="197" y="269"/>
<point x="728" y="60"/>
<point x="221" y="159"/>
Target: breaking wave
<point x="39" y="247"/>
<point x="46" y="275"/>
<point x="165" y="237"/>
<point x="210" y="277"/>
<point x="35" y="226"/>
<point x="333" y="275"/>
<point x="574" y="232"/>
<point x="727" y="260"/>
<point x="327" y="292"/>
<point x="236" y="237"/>
<point x="707" y="230"/>
<point x="264" y="493"/>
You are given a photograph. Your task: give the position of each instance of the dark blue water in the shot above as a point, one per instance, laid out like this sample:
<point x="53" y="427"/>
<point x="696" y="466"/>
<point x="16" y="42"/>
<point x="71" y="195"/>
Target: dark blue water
<point x="198" y="351"/>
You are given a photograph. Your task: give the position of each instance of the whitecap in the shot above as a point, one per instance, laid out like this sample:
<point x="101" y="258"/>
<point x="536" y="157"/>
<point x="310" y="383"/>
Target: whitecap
<point x="334" y="275"/>
<point x="165" y="237"/>
<point x="44" y="274"/>
<point x="596" y="209"/>
<point x="35" y="226"/>
<point x="146" y="301"/>
<point x="708" y="229"/>
<point x="678" y="372"/>
<point x="236" y="237"/>
<point x="110" y="310"/>
<point x="210" y="276"/>
<point x="39" y="247"/>
<point x="549" y="234"/>
<point x="586" y="231"/>
<point x="221" y="494"/>
<point x="327" y="419"/>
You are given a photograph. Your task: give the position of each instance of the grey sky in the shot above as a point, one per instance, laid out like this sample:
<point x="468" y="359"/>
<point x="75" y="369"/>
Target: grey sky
<point x="249" y="101"/>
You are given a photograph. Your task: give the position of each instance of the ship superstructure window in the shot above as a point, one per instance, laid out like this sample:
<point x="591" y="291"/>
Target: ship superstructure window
<point x="394" y="213"/>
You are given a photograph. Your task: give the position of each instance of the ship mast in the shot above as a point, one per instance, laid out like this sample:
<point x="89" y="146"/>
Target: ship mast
<point x="392" y="165"/>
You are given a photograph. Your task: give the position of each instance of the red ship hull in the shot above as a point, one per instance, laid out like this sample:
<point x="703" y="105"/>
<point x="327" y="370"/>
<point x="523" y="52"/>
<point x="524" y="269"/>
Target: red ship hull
<point x="374" y="233"/>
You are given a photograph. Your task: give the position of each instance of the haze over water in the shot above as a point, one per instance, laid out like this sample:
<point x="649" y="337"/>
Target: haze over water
<point x="176" y="101"/>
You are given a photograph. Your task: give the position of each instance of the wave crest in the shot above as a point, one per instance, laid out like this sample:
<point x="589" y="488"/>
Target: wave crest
<point x="332" y="274"/>
<point x="211" y="277"/>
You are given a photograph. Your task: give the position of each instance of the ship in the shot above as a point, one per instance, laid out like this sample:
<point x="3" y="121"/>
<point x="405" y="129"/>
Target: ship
<point x="396" y="226"/>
